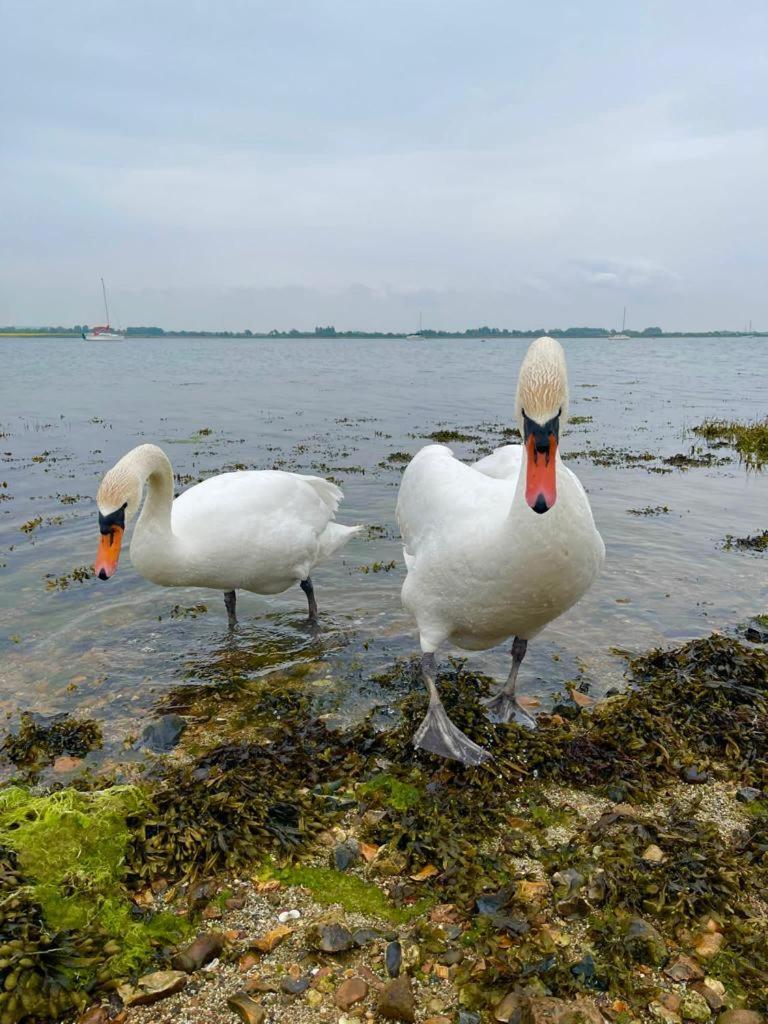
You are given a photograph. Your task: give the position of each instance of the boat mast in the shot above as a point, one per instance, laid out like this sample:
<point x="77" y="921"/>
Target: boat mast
<point x="106" y="307"/>
<point x="623" y="319"/>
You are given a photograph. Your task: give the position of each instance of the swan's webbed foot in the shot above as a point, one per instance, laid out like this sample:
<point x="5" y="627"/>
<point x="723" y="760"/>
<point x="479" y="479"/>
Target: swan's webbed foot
<point x="230" y="601"/>
<point x="309" y="590"/>
<point x="438" y="734"/>
<point x="505" y="707"/>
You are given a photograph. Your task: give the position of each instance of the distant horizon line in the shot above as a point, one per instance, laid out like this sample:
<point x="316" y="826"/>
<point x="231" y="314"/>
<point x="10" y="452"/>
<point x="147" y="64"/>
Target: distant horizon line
<point x="332" y="332"/>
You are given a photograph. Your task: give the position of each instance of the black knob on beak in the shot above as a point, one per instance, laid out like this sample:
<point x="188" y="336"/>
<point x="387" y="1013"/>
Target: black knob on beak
<point x="541" y="506"/>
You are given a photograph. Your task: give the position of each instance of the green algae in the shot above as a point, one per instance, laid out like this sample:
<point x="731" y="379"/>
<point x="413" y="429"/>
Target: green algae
<point x="396" y="794"/>
<point x="330" y="887"/>
<point x="63" y="867"/>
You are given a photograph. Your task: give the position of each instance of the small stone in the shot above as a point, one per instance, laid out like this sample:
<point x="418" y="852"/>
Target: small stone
<point x="204" y="948"/>
<point x="741" y="1017"/>
<point x="234" y="903"/>
<point x="201" y="894"/>
<point x="451" y="957"/>
<point x="567" y="883"/>
<point x="746" y="795"/>
<point x="294" y="986"/>
<point x="163" y="735"/>
<point x="660" y="1012"/>
<point x="349" y="992"/>
<point x="653" y="854"/>
<point x="396" y="1000"/>
<point x="345" y="855"/>
<point x="266" y="943"/>
<point x="247" y="1009"/>
<point x="288" y="915"/>
<point x="331" y="937"/>
<point x="212" y="913"/>
<point x="708" y="945"/>
<point x="531" y="892"/>
<point x="153" y="987"/>
<point x="671" y="1000"/>
<point x="713" y="991"/>
<point x="364" y="936"/>
<point x="393" y="958"/>
<point x="65" y="764"/>
<point x="644" y="943"/>
<point x="438" y="1020"/>
<point x="314" y="998"/>
<point x="504" y="1010"/>
<point x="260" y="985"/>
<point x="684" y="968"/>
<point x="694" y="1007"/>
<point x="756" y="632"/>
<point x="694" y="776"/>
<point x="94" y="1015"/>
<point x="549" y="1010"/>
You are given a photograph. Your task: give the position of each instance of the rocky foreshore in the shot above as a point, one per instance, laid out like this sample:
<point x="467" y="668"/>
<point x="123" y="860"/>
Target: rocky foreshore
<point x="609" y="867"/>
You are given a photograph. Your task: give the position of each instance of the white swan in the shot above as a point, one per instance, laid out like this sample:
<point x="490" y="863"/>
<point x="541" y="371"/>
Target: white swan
<point x="496" y="549"/>
<point x="262" y="531"/>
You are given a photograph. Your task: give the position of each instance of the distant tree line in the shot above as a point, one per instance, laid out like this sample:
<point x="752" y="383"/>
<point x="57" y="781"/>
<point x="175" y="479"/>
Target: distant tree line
<point x="331" y="332"/>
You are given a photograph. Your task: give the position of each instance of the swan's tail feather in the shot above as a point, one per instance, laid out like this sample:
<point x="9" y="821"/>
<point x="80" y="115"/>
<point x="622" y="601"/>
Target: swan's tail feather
<point x="328" y="493"/>
<point x="335" y="536"/>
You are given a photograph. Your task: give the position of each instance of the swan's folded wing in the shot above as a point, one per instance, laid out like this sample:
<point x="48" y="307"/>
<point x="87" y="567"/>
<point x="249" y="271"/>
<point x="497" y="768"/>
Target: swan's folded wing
<point x="257" y="500"/>
<point x="502" y="464"/>
<point x="437" y="493"/>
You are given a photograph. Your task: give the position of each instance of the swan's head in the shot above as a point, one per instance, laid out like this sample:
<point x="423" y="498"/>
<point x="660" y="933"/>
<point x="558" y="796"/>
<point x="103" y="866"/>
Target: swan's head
<point x="541" y="406"/>
<point x="118" y="498"/>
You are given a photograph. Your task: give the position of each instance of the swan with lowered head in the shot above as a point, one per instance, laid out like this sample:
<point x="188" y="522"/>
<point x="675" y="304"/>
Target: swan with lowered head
<point x="496" y="549"/>
<point x="257" y="530"/>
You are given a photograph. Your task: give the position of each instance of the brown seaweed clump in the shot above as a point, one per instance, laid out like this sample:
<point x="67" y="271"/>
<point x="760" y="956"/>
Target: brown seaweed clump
<point x="39" y="741"/>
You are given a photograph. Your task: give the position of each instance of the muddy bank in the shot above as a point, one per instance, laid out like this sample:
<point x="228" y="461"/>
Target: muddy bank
<point x="618" y="854"/>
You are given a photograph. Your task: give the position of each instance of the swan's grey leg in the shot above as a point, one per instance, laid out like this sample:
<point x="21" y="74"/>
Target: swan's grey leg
<point x="309" y="590"/>
<point x="504" y="707"/>
<point x="230" y="599"/>
<point x="437" y="733"/>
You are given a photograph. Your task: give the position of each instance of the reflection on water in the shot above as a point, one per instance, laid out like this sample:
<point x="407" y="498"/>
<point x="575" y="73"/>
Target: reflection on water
<point x="344" y="408"/>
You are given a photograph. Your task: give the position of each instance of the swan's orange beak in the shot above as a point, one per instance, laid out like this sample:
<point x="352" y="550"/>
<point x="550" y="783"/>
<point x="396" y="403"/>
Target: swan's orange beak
<point x="108" y="552"/>
<point x="540" y="482"/>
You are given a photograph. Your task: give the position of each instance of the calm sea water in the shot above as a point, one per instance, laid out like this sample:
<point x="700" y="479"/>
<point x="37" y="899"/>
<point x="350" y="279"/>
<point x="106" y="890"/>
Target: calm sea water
<point x="70" y="409"/>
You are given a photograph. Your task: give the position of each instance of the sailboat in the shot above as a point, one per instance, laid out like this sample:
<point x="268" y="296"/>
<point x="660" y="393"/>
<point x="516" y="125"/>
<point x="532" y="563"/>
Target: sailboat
<point x="622" y="336"/>
<point x="418" y="336"/>
<point x="105" y="333"/>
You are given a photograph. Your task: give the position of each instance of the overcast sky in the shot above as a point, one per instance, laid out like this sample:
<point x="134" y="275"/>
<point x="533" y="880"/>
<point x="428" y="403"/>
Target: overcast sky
<point x="352" y="162"/>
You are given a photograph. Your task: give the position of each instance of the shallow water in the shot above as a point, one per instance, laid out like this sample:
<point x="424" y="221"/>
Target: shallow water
<point x="335" y="407"/>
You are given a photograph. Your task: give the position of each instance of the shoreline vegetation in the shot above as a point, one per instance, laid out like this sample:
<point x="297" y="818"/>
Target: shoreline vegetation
<point x="331" y="332"/>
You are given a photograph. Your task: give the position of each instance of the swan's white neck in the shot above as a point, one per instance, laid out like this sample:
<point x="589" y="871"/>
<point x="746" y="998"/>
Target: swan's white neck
<point x="152" y="469"/>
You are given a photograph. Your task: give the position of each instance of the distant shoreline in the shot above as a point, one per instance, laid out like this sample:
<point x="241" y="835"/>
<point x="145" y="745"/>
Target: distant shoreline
<point x="324" y="335"/>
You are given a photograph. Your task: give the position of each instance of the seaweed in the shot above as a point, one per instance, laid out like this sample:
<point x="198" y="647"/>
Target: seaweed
<point x="38" y="741"/>
<point x="749" y="439"/>
<point x="757" y="542"/>
<point x="67" y="924"/>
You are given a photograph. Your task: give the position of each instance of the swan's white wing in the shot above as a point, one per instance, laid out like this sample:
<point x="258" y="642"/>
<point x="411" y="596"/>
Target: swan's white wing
<point x="255" y="499"/>
<point x="437" y="492"/>
<point x="503" y="464"/>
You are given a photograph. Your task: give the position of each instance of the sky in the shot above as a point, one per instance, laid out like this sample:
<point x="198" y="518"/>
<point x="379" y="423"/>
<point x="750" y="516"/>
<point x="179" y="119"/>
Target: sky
<point x="296" y="163"/>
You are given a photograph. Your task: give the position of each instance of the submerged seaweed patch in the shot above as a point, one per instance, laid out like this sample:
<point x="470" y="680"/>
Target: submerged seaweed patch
<point x="38" y="742"/>
<point x="749" y="439"/>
